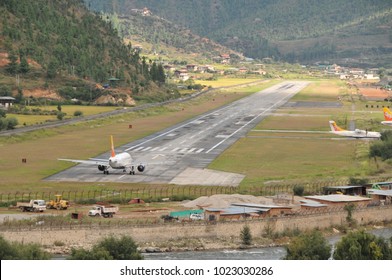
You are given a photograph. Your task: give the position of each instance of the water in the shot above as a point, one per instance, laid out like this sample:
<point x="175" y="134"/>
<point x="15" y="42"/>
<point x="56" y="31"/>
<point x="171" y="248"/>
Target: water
<point x="270" y="253"/>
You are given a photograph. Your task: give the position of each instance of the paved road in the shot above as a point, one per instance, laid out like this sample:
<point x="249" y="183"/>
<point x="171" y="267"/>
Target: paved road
<point x="180" y="154"/>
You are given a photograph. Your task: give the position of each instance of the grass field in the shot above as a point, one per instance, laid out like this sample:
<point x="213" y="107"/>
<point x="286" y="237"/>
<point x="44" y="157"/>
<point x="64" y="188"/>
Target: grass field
<point x="83" y="140"/>
<point x="224" y="82"/>
<point x="68" y="109"/>
<point x="261" y="156"/>
<point x="283" y="156"/>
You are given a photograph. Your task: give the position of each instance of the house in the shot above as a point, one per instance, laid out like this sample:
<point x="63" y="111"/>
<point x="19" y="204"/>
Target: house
<point x="271" y="210"/>
<point x="238" y="211"/>
<point x="6" y="101"/>
<point x="183" y="77"/>
<point x="312" y="205"/>
<point x="243" y="70"/>
<point x="182" y="74"/>
<point x="224" y="58"/>
<point x="169" y="68"/>
<point x="347" y="190"/>
<point x="231" y="213"/>
<point x="384" y="197"/>
<point x="339" y="200"/>
<point x="192" y="67"/>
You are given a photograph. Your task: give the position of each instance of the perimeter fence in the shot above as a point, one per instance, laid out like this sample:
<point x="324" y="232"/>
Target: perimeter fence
<point x="173" y="193"/>
<point x="53" y="223"/>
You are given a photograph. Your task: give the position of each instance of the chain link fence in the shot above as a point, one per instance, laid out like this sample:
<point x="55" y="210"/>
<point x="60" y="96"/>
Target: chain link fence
<point x="175" y="193"/>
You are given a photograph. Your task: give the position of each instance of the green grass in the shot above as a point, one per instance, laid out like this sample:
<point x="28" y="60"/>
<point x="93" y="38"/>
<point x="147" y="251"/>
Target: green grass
<point x="223" y="82"/>
<point x="68" y="109"/>
<point x="87" y="139"/>
<point x="279" y="156"/>
<point x="261" y="156"/>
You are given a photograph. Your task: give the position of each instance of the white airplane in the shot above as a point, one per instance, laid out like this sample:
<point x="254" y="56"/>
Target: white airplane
<point x="387" y="117"/>
<point x="357" y="133"/>
<point x="122" y="161"/>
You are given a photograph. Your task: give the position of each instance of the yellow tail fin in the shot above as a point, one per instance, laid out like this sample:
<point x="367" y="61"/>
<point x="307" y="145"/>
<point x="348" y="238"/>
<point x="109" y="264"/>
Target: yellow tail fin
<point x="387" y="114"/>
<point x="112" y="146"/>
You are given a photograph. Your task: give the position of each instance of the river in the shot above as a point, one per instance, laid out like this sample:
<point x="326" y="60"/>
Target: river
<point x="269" y="253"/>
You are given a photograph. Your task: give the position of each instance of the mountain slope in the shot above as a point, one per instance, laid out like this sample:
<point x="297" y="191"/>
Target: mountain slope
<point x="262" y="28"/>
<point x="166" y="39"/>
<point x="69" y="49"/>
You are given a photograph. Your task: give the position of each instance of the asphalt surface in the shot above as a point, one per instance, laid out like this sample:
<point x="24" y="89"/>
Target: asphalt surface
<point x="180" y="154"/>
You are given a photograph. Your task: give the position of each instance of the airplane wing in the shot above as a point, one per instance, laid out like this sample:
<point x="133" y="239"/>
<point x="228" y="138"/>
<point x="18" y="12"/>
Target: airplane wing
<point x="92" y="161"/>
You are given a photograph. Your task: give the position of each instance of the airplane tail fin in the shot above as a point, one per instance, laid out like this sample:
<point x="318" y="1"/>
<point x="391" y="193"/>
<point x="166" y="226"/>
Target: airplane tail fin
<point x="387" y="114"/>
<point x="335" y="127"/>
<point x="112" y="146"/>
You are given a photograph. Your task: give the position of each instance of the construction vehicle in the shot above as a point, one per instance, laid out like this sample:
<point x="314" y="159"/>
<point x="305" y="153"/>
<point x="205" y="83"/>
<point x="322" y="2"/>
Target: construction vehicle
<point x="58" y="203"/>
<point x="35" y="205"/>
<point x="104" y="211"/>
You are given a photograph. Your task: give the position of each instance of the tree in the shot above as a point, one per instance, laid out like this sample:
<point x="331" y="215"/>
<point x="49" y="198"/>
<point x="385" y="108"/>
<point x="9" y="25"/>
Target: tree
<point x="308" y="246"/>
<point x="360" y="245"/>
<point x="110" y="248"/>
<point x="51" y="72"/>
<point x="298" y="190"/>
<point x="24" y="65"/>
<point x="12" y="123"/>
<point x="246" y="236"/>
<point x="12" y="66"/>
<point x="19" y="251"/>
<point x="60" y="115"/>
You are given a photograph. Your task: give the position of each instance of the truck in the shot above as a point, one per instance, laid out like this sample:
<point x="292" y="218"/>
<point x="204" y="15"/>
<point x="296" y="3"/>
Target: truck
<point x="35" y="205"/>
<point x="106" y="211"/>
<point x="58" y="203"/>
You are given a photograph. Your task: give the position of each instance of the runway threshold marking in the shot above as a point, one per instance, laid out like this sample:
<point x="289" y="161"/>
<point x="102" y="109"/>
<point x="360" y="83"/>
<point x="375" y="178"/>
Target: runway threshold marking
<point x="241" y="127"/>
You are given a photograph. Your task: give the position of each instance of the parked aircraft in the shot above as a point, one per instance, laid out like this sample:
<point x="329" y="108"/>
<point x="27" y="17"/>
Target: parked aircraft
<point x="387" y="117"/>
<point x="122" y="161"/>
<point x="357" y="133"/>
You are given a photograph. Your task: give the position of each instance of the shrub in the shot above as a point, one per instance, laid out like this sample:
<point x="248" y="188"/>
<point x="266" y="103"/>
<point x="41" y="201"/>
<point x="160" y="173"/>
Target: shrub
<point x="78" y="113"/>
<point x="309" y="246"/>
<point x="246" y="236"/>
<point x="299" y="190"/>
<point x="110" y="248"/>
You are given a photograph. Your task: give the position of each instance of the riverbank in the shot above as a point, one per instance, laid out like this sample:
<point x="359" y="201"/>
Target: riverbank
<point x="197" y="236"/>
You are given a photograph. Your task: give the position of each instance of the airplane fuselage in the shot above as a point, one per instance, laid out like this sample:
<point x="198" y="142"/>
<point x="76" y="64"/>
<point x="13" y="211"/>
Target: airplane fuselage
<point x="120" y="161"/>
<point x="387" y="123"/>
<point x="358" y="134"/>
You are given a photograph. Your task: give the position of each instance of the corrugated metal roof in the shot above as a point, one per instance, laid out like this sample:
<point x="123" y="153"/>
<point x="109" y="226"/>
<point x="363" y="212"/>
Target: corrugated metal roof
<point x="240" y="210"/>
<point x="342" y="187"/>
<point x="312" y="203"/>
<point x="338" y="198"/>
<point x="259" y="206"/>
<point x="380" y="192"/>
<point x="236" y="210"/>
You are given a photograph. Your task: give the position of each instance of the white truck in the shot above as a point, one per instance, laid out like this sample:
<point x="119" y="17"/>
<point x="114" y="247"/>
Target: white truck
<point x="104" y="211"/>
<point x="35" y="205"/>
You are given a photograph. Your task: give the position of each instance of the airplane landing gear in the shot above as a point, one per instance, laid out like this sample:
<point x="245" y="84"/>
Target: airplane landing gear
<point x="132" y="172"/>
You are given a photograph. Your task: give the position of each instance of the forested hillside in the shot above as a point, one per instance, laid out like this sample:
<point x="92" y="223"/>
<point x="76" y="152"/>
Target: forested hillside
<point x="63" y="39"/>
<point x="286" y="29"/>
<point x="167" y="39"/>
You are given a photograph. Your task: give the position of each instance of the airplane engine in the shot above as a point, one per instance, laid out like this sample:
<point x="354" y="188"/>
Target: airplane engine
<point x="141" y="167"/>
<point x="358" y="131"/>
<point x="101" y="167"/>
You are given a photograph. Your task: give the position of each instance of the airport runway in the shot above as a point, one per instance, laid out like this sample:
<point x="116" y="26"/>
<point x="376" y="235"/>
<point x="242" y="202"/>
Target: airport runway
<point x="180" y="154"/>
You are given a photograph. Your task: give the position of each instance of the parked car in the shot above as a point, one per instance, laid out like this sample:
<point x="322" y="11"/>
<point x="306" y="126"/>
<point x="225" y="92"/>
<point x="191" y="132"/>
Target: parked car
<point x="196" y="217"/>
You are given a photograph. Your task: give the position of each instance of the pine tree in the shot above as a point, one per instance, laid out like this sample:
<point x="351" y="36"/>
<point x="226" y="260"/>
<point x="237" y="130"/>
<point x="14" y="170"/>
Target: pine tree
<point x="246" y="236"/>
<point x="12" y="66"/>
<point x="24" y="65"/>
